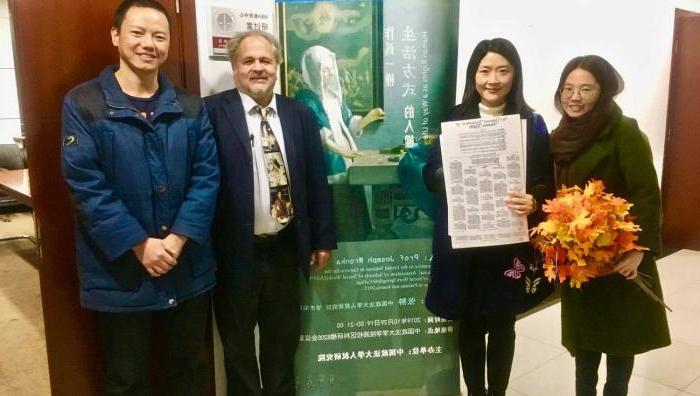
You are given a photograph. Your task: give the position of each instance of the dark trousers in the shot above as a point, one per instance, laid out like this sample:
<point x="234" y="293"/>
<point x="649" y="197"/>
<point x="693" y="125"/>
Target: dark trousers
<point x="497" y="356"/>
<point x="127" y="340"/>
<point x="619" y="371"/>
<point x="270" y="298"/>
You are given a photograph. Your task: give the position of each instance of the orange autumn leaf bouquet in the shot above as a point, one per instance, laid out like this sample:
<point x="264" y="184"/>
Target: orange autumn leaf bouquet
<point x="586" y="230"/>
<point x="585" y="233"/>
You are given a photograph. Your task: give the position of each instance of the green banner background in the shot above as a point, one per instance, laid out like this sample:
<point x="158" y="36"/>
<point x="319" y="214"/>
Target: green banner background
<point x="365" y="326"/>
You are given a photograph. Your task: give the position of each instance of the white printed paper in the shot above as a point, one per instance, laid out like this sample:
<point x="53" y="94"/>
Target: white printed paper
<point x="482" y="160"/>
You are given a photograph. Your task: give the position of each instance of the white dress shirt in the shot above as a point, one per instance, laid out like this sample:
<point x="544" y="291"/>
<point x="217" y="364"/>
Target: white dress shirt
<point x="264" y="222"/>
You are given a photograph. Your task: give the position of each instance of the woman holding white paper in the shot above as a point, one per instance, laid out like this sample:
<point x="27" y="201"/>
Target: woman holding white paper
<point x="486" y="287"/>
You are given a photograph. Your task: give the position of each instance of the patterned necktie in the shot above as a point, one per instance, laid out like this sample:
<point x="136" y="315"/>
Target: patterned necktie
<point x="280" y="199"/>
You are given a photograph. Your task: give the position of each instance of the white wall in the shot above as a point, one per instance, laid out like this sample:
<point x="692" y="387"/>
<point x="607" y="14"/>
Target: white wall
<point x="634" y="36"/>
<point x="9" y="105"/>
<point x="215" y="75"/>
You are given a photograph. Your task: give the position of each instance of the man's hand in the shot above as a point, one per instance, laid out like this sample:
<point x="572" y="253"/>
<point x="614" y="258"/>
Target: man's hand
<point x="173" y="244"/>
<point x="154" y="257"/>
<point x="627" y="267"/>
<point x="319" y="259"/>
<point x="521" y="203"/>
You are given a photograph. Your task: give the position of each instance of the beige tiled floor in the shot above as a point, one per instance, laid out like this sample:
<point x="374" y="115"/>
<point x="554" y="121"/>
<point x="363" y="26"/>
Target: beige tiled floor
<point x="541" y="366"/>
<point x="23" y="365"/>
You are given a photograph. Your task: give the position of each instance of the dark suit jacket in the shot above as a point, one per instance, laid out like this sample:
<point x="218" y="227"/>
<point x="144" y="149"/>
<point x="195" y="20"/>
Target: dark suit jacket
<point x="233" y="230"/>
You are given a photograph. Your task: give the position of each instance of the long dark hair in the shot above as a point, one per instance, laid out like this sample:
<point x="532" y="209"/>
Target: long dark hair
<point x="610" y="81"/>
<point x="515" y="101"/>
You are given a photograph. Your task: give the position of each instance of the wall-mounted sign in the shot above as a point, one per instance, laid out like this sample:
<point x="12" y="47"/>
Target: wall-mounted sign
<point x="224" y="22"/>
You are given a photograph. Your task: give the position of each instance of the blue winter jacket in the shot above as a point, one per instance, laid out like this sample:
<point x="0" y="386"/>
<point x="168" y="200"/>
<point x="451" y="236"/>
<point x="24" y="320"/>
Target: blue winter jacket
<point x="131" y="179"/>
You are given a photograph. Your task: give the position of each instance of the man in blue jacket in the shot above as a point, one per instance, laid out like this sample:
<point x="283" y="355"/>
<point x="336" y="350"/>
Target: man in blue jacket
<point x="140" y="162"/>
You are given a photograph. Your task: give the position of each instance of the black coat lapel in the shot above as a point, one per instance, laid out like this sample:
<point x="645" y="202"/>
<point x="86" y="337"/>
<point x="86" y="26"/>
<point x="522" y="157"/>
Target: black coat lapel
<point x="237" y="118"/>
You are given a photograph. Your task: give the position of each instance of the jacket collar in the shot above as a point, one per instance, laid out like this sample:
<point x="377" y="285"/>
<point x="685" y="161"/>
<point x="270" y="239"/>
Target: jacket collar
<point x="607" y="130"/>
<point x="596" y="152"/>
<point x="122" y="106"/>
<point x="472" y="112"/>
<point x="249" y="103"/>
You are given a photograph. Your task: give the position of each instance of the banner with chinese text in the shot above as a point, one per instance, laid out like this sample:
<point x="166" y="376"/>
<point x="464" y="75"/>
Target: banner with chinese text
<point x="379" y="76"/>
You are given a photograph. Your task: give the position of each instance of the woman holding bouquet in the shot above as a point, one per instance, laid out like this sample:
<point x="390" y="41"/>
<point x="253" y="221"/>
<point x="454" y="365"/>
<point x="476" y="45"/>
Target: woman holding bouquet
<point x="484" y="287"/>
<point x="609" y="314"/>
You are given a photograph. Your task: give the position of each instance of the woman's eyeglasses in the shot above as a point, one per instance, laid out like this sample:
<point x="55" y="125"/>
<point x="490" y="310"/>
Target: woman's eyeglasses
<point x="584" y="91"/>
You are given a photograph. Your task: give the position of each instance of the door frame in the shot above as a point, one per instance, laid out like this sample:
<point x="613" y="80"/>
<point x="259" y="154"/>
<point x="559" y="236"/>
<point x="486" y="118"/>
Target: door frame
<point x="680" y="182"/>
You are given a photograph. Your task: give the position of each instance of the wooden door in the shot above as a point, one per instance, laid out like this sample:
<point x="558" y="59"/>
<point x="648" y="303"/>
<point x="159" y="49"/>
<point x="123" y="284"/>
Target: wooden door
<point x="57" y="45"/>
<point x="681" y="173"/>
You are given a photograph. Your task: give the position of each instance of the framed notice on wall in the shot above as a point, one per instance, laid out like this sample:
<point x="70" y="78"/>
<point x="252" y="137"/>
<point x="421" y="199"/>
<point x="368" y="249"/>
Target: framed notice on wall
<point x="224" y="22"/>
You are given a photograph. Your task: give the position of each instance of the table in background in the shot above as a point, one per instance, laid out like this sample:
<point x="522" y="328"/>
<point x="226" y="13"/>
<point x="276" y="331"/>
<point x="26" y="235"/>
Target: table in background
<point x="15" y="184"/>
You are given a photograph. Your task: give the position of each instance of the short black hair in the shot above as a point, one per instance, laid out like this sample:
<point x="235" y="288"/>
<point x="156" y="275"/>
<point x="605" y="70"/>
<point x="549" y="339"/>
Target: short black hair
<point x="126" y="5"/>
<point x="610" y="81"/>
<point x="515" y="101"/>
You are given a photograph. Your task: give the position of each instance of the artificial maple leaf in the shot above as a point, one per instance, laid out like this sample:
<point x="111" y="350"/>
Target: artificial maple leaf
<point x="564" y="273"/>
<point x="626" y="226"/>
<point x="604" y="239"/>
<point x="599" y="218"/>
<point x="577" y="278"/>
<point x="563" y="236"/>
<point x="549" y="272"/>
<point x="592" y="188"/>
<point x="621" y="207"/>
<point x="548" y="227"/>
<point x="602" y="256"/>
<point x="581" y="221"/>
<point x="627" y="242"/>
